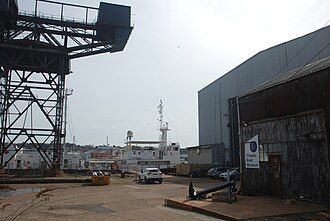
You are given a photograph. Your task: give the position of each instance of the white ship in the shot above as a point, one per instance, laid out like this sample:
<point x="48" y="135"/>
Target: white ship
<point x="140" y="154"/>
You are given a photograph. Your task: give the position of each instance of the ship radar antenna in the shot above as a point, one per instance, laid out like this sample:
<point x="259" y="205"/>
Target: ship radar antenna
<point x="160" y="111"/>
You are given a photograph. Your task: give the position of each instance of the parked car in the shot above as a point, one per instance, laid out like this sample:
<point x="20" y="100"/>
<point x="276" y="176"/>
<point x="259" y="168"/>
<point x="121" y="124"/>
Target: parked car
<point x="151" y="175"/>
<point x="234" y="174"/>
<point x="215" y="171"/>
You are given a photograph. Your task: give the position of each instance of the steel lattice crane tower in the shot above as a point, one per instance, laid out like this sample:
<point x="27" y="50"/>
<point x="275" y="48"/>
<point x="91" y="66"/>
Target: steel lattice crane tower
<point x="35" y="55"/>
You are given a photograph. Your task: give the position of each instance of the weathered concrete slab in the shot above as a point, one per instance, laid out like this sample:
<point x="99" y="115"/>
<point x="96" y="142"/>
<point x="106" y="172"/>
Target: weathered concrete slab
<point x="246" y="207"/>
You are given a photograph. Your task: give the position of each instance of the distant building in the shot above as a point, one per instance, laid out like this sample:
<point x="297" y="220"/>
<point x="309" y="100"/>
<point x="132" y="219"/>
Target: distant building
<point x="212" y="155"/>
<point x="72" y="160"/>
<point x="103" y="158"/>
<point x="183" y="155"/>
<point x="201" y="159"/>
<point x="27" y="158"/>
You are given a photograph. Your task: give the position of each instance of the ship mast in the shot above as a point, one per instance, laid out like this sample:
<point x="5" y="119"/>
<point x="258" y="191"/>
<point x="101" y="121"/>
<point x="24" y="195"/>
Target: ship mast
<point x="163" y="127"/>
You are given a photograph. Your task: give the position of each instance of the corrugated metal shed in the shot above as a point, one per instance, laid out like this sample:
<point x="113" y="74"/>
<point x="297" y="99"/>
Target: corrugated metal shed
<point x="213" y="100"/>
<point x="291" y="115"/>
<point x="301" y="90"/>
<point x="292" y="75"/>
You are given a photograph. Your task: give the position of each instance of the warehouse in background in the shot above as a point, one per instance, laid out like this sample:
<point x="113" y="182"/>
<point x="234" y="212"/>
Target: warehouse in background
<point x="217" y="104"/>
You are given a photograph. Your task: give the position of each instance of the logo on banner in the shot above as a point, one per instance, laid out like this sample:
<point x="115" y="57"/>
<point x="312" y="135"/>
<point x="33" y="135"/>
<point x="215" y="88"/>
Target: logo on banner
<point x="253" y="146"/>
<point x="252" y="153"/>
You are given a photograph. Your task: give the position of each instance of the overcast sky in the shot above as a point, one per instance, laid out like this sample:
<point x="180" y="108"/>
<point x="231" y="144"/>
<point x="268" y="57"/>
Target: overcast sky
<point x="177" y="47"/>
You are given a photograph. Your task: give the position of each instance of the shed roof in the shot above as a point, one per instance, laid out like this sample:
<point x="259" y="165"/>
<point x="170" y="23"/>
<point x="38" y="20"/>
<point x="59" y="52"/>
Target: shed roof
<point x="292" y="75"/>
<point x="200" y="147"/>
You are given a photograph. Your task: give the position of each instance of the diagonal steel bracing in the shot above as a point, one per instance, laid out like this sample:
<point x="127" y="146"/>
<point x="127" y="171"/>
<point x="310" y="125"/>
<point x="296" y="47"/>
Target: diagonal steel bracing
<point x="35" y="54"/>
<point x="32" y="108"/>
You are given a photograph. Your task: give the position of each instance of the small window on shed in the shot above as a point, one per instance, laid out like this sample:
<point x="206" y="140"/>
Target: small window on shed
<point x="284" y="150"/>
<point x="263" y="153"/>
<point x="273" y="148"/>
<point x="278" y="147"/>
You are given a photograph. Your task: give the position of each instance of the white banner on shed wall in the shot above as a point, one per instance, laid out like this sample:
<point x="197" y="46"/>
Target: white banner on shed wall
<point x="252" y="153"/>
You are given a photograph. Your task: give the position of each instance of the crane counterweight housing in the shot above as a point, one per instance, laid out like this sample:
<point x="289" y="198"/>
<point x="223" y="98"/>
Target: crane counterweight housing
<point x="114" y="25"/>
<point x="8" y="7"/>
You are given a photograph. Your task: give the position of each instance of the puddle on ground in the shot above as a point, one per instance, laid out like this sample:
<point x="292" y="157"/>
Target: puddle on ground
<point x="6" y="193"/>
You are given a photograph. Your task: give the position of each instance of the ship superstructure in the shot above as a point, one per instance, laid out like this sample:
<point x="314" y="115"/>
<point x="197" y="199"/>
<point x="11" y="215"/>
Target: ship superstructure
<point x="160" y="154"/>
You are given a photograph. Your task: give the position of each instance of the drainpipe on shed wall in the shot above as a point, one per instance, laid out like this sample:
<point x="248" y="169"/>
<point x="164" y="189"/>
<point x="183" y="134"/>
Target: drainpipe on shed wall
<point x="240" y="143"/>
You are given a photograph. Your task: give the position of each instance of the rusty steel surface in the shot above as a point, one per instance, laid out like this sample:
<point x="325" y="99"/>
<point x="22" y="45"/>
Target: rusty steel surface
<point x="307" y="93"/>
